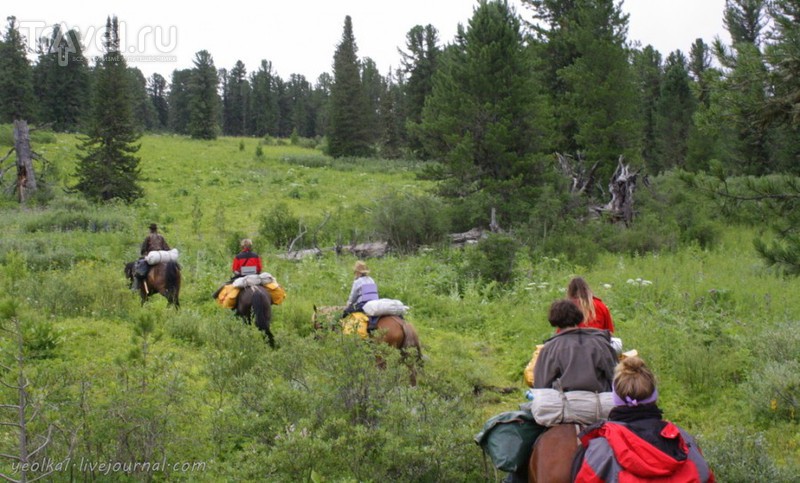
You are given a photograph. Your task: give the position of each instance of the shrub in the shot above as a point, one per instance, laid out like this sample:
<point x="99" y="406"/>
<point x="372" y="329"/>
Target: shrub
<point x="492" y="259"/>
<point x="410" y="221"/>
<point x="41" y="339"/>
<point x="774" y="390"/>
<point x="741" y="456"/>
<point x="279" y="226"/>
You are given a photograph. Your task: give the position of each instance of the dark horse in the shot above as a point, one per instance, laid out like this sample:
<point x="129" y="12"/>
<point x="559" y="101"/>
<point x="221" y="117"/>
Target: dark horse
<point x="163" y="278"/>
<point x="256" y="301"/>
<point x="552" y="455"/>
<point x="390" y="329"/>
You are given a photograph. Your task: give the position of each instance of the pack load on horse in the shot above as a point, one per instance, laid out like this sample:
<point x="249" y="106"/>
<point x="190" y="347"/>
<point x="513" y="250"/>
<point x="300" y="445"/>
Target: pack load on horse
<point x="157" y="270"/>
<point x="392" y="330"/>
<point x="251" y="292"/>
<point x="572" y="384"/>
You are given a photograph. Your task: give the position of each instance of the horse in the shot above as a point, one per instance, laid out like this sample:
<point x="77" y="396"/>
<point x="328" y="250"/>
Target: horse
<point x="163" y="278"/>
<point x="390" y="329"/>
<point x="552" y="455"/>
<point x="256" y="301"/>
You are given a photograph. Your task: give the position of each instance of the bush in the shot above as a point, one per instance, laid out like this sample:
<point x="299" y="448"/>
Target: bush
<point x="279" y="226"/>
<point x="742" y="456"/>
<point x="774" y="390"/>
<point x="410" y="221"/>
<point x="493" y="259"/>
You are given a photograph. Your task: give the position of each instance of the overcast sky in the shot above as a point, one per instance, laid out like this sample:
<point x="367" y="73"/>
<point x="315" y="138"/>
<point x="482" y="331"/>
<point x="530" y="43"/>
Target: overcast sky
<point x="300" y="36"/>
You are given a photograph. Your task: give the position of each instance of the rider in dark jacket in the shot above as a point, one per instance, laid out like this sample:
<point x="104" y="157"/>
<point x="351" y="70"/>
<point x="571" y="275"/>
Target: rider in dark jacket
<point x="152" y="242"/>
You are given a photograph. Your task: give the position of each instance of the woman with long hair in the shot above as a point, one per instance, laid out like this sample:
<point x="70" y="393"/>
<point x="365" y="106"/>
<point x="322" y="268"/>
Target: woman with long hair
<point x="595" y="312"/>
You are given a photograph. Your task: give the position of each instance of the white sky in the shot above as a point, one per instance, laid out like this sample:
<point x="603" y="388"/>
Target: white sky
<point x="300" y="36"/>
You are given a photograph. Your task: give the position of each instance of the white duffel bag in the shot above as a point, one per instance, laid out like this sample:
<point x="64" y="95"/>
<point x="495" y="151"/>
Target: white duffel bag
<point x="262" y="278"/>
<point x="552" y="406"/>
<point x="157" y="256"/>
<point x="378" y="307"/>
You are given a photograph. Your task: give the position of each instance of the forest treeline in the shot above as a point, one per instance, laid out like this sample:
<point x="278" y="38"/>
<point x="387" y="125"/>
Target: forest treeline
<point x="488" y="108"/>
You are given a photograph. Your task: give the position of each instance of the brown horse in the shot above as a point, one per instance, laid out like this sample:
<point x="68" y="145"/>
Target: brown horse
<point x="256" y="301"/>
<point x="163" y="278"/>
<point x="553" y="451"/>
<point x="390" y="329"/>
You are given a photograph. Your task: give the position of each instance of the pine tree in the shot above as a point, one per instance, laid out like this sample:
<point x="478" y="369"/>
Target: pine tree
<point x="419" y="64"/>
<point x="16" y="77"/>
<point x="648" y="71"/>
<point x="263" y="107"/>
<point x="485" y="117"/>
<point x="348" y="132"/>
<point x="675" y="109"/>
<point x="157" y="90"/>
<point x="144" y="113"/>
<point x="236" y="94"/>
<point x="320" y="103"/>
<point x="744" y="90"/>
<point x="109" y="169"/>
<point x="62" y="81"/>
<point x="203" y="98"/>
<point x="589" y="78"/>
<point x="372" y="81"/>
<point x="298" y="91"/>
<point x="782" y="54"/>
<point x="179" y="101"/>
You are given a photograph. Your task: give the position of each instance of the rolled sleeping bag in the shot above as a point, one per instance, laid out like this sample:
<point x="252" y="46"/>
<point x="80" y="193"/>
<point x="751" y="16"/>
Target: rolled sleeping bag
<point x="157" y="256"/>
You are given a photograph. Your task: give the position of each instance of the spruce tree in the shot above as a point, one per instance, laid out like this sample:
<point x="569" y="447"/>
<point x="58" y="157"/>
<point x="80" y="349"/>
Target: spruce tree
<point x="157" y="90"/>
<point x="743" y="93"/>
<point x="144" y="113"/>
<point x="236" y="94"/>
<point x="179" y="101"/>
<point x="589" y="77"/>
<point x="348" y="130"/>
<point x="16" y="77"/>
<point x="648" y="71"/>
<point x="263" y="108"/>
<point x="203" y="98"/>
<point x="109" y="169"/>
<point x="419" y="65"/>
<point x="485" y="116"/>
<point x="62" y="81"/>
<point x="675" y="109"/>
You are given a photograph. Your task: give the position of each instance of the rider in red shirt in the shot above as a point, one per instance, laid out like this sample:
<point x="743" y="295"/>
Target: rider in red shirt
<point x="246" y="262"/>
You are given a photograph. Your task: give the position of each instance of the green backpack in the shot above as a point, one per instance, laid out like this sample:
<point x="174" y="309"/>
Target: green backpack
<point x="508" y="439"/>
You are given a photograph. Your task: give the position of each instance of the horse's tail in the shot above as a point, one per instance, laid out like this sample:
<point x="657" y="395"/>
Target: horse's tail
<point x="172" y="283"/>
<point x="262" y="308"/>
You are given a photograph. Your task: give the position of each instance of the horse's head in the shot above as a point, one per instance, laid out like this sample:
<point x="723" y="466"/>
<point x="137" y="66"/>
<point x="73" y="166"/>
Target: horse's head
<point x="129" y="270"/>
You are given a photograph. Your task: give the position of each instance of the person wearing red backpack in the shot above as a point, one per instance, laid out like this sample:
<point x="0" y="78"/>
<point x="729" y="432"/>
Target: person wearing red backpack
<point x="635" y="444"/>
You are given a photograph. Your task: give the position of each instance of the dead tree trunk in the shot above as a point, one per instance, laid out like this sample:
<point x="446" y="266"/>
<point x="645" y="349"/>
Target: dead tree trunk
<point x="622" y="187"/>
<point x="582" y="177"/>
<point x="26" y="178"/>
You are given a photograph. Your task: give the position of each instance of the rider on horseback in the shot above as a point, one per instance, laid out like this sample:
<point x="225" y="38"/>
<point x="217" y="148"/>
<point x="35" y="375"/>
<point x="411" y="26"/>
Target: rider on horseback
<point x="153" y="241"/>
<point x="635" y="444"/>
<point x="576" y="358"/>
<point x="364" y="289"/>
<point x="246" y="262"/>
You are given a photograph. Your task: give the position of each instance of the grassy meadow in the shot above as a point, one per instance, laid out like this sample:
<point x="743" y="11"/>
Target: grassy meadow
<point x="116" y="382"/>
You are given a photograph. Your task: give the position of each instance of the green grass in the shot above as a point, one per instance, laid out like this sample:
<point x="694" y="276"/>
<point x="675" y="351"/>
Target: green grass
<point x="698" y="323"/>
